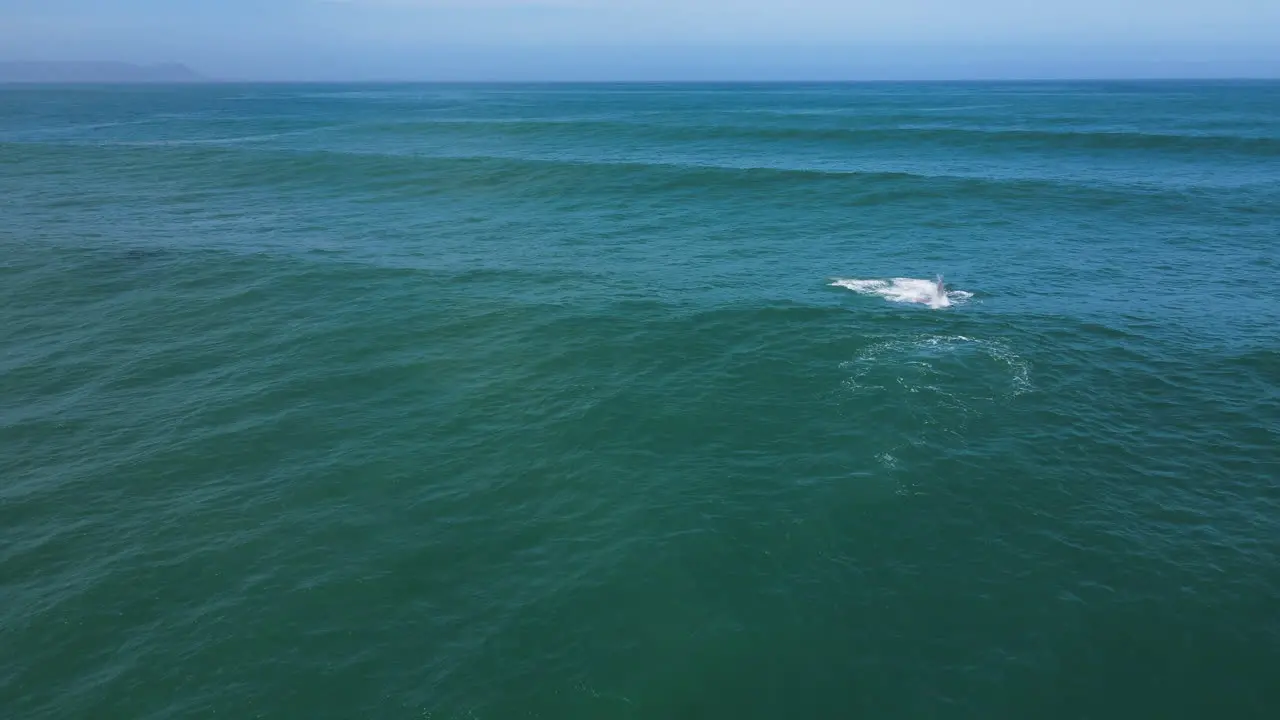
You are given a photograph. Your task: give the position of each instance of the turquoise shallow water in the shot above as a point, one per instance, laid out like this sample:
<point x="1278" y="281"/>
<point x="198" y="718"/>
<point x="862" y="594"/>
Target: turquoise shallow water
<point x="604" y="402"/>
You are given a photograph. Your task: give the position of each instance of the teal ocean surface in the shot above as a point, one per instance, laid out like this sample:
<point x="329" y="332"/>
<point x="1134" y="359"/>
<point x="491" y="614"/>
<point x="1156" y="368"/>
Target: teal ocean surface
<point x="482" y="402"/>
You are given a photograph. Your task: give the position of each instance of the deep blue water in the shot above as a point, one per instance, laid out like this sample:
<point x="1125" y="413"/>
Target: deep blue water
<point x="639" y="401"/>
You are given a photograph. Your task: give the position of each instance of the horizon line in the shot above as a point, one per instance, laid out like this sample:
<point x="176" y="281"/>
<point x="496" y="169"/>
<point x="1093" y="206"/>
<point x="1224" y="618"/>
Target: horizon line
<point x="656" y="81"/>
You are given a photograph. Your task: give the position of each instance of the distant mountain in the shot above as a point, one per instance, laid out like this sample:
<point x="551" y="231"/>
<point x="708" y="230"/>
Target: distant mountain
<point x="95" y="72"/>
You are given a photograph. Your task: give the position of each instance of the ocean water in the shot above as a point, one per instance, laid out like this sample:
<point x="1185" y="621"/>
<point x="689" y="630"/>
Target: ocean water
<point x="641" y="401"/>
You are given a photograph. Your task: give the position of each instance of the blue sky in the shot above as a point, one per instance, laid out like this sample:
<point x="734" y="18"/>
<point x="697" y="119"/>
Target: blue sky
<point x="656" y="39"/>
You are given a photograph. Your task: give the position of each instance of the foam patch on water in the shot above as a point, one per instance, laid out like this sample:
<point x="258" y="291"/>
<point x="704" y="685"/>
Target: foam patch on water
<point x="915" y="398"/>
<point x="988" y="369"/>
<point x="906" y="290"/>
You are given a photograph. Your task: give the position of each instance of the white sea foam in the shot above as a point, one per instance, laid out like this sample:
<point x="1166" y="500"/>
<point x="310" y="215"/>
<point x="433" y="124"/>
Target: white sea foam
<point x="916" y="396"/>
<point x="906" y="290"/>
<point x="979" y="370"/>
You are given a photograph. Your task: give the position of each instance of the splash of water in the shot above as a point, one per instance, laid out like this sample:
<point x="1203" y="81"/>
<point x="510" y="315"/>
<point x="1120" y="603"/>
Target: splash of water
<point x="907" y="290"/>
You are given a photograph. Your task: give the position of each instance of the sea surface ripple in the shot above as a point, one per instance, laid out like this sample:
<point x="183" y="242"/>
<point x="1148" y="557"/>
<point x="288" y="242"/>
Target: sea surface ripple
<point x="634" y="401"/>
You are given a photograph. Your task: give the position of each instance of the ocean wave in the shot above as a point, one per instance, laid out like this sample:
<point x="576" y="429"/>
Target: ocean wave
<point x="1045" y="139"/>
<point x="566" y="180"/>
<point x="876" y="132"/>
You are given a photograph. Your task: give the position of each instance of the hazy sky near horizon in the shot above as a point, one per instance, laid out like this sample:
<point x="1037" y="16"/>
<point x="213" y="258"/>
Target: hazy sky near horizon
<point x="655" y="39"/>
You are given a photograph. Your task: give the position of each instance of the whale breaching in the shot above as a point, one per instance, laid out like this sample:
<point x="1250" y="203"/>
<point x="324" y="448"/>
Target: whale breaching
<point x="908" y="290"/>
<point x="934" y="297"/>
